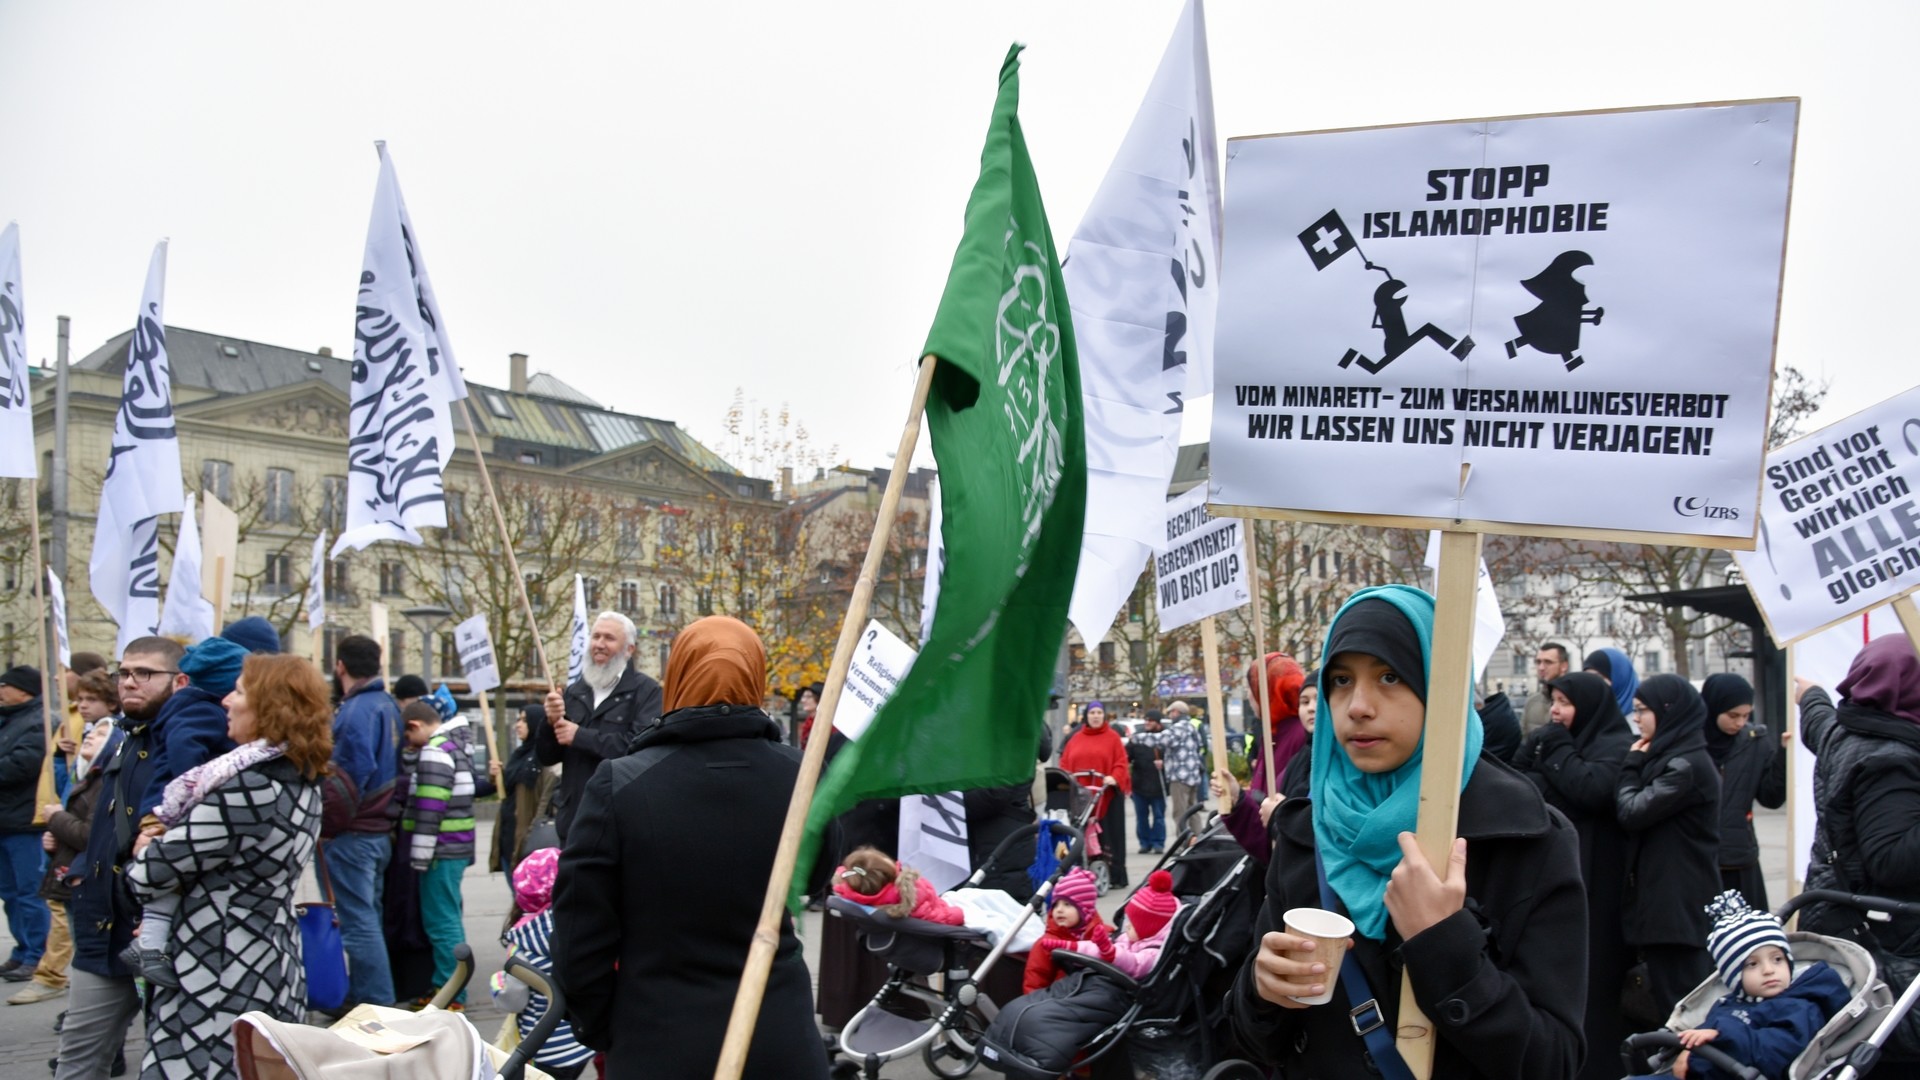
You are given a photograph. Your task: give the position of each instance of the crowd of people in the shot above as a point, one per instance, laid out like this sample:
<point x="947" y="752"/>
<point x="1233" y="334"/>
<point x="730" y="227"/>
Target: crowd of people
<point x="1606" y="863"/>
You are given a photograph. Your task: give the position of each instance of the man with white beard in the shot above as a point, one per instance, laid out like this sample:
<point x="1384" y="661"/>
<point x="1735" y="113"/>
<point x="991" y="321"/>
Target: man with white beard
<point x="597" y="716"/>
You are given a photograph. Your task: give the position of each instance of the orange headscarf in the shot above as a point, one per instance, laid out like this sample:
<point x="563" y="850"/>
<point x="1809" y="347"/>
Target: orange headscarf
<point x="1284" y="679"/>
<point x="716" y="661"/>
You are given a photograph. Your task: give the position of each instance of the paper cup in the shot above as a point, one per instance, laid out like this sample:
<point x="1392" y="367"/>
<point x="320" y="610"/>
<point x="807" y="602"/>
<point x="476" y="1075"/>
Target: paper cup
<point x="1331" y="930"/>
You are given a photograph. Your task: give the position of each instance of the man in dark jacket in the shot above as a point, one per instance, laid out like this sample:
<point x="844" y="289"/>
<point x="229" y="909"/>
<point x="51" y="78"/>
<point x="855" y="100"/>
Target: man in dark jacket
<point x="101" y="999"/>
<point x="354" y="818"/>
<point x="1149" y="795"/>
<point x="650" y="971"/>
<point x="23" y="746"/>
<point x="598" y="716"/>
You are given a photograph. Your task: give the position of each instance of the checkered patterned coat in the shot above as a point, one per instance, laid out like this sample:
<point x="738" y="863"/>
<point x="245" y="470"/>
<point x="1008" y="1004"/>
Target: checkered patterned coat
<point x="235" y="861"/>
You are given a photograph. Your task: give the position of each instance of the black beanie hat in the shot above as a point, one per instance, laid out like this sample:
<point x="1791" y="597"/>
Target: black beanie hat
<point x="23" y="679"/>
<point x="1379" y="629"/>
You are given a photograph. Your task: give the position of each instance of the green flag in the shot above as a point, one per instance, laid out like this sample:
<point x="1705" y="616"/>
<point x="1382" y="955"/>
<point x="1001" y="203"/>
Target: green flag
<point x="1005" y="417"/>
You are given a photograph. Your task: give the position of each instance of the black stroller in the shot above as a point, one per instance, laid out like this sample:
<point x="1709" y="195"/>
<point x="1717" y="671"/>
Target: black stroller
<point x="932" y="1003"/>
<point x="1075" y="803"/>
<point x="1171" y="1025"/>
<point x="1847" y="1048"/>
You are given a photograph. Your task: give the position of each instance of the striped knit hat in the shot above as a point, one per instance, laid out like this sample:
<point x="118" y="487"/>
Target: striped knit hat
<point x="1076" y="887"/>
<point x="1737" y="931"/>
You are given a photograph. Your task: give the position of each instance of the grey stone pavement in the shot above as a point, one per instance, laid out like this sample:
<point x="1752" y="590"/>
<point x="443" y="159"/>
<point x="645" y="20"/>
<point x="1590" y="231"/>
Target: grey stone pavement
<point x="28" y="1040"/>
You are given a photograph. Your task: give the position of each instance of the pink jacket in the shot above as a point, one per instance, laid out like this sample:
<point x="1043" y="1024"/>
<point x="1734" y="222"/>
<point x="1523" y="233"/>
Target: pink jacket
<point x="1135" y="958"/>
<point x="927" y="902"/>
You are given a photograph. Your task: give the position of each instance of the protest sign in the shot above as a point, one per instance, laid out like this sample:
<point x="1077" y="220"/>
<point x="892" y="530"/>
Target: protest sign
<point x="220" y="547"/>
<point x="1587" y="296"/>
<point x="1200" y="566"/>
<point x="57" y="604"/>
<point x="475" y="645"/>
<point x="1839" y="522"/>
<point x="879" y="662"/>
<point x="933" y="838"/>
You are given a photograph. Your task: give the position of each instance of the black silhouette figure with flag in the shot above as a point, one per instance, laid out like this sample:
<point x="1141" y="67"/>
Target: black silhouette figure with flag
<point x="1325" y="241"/>
<point x="1553" y="326"/>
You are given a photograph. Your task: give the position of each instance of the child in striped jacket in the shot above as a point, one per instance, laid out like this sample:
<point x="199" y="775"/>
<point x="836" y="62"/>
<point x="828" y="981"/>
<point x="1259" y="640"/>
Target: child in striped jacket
<point x="561" y="1056"/>
<point x="439" y="817"/>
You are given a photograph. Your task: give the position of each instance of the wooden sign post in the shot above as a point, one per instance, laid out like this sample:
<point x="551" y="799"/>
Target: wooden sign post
<point x="1216" y="703"/>
<point x="377" y="630"/>
<point x="1260" y="657"/>
<point x="1909" y="613"/>
<point x="219" y="554"/>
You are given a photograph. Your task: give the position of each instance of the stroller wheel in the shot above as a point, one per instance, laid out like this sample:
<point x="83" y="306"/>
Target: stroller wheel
<point x="1234" y="1070"/>
<point x="945" y="1057"/>
<point x="1102" y="883"/>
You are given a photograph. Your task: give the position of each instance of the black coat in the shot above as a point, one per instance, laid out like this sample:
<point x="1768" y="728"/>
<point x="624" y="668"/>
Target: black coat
<point x="1577" y="770"/>
<point x="605" y="733"/>
<point x="1146" y="773"/>
<point x="659" y="892"/>
<point x="1669" y="803"/>
<point x="1754" y="770"/>
<point x="23" y="749"/>
<point x="1504" y="980"/>
<point x="1500" y="728"/>
<point x="1866" y="786"/>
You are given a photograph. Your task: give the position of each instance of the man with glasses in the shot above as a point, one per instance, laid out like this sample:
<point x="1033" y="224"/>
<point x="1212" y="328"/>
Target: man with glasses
<point x="102" y="1000"/>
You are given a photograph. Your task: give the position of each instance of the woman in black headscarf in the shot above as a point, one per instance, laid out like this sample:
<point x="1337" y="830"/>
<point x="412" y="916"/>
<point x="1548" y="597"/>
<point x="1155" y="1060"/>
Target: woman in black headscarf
<point x="1753" y="767"/>
<point x="1669" y="803"/>
<point x="1575" y="762"/>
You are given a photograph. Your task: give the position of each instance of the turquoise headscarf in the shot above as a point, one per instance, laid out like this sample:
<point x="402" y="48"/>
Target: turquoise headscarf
<point x="1357" y="816"/>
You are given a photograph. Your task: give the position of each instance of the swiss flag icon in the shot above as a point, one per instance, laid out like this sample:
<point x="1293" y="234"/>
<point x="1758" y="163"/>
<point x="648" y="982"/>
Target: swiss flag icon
<point x="1327" y="239"/>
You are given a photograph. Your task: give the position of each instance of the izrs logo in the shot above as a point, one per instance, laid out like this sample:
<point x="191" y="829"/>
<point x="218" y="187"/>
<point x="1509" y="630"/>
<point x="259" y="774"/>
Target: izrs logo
<point x="1697" y="506"/>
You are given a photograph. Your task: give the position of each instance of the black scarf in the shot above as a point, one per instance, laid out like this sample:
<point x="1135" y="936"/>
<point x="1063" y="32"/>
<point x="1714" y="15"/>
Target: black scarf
<point x="1378" y="629"/>
<point x="1722" y="694"/>
<point x="1594" y="709"/>
<point x="1677" y="713"/>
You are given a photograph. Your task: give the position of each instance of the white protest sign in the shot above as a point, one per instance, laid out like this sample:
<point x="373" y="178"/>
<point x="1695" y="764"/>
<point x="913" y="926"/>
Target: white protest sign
<point x="57" y="597"/>
<point x="475" y="646"/>
<point x="1587" y="297"/>
<point x="1200" y="567"/>
<point x="220" y="553"/>
<point x="880" y="661"/>
<point x="1839" y="523"/>
<point x="1489" y="626"/>
<point x="933" y="838"/>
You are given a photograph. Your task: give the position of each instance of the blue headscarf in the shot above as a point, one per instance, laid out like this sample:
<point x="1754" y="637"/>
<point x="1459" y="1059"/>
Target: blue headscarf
<point x="1621" y="674"/>
<point x="1357" y="816"/>
<point x="213" y="664"/>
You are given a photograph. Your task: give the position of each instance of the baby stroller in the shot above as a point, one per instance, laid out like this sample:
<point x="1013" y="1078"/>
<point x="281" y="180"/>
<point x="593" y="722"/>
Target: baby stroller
<point x="427" y="1042"/>
<point x="1847" y="1048"/>
<point x="1072" y="800"/>
<point x="1173" y="1024"/>
<point x="911" y="1014"/>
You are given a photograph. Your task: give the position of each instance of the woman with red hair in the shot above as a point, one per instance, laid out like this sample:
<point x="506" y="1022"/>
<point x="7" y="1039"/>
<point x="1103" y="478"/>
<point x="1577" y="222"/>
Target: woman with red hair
<point x="1285" y="677"/>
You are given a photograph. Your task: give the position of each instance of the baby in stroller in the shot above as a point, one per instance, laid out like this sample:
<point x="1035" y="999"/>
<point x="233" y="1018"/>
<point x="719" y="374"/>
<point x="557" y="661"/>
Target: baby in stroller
<point x="869" y="876"/>
<point x="1073" y="920"/>
<point x="1772" y="1014"/>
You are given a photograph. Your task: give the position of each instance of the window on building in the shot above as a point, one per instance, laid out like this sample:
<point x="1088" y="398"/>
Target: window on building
<point x="591" y="586"/>
<point x="1323" y="564"/>
<point x="457" y="515"/>
<point x="392" y="579"/>
<point x="12" y="571"/>
<point x="1076" y="657"/>
<point x="1519" y="663"/>
<point x="590" y="525"/>
<point x="329" y="642"/>
<point x="217" y="477"/>
<point x="529" y="457"/>
<point x="536" y="596"/>
<point x="1137" y="606"/>
<point x="278" y="579"/>
<point x="1336" y="564"/>
<point x="450" y="659"/>
<point x="1106" y="654"/>
<point x="333" y="502"/>
<point x="630" y="598"/>
<point x="536" y="519"/>
<point x="1607" y="622"/>
<point x="703" y="600"/>
<point x="669" y="600"/>
<point x="1137" y="655"/>
<point x="279" y="503"/>
<point x="1563" y="625"/>
<point x="627" y="546"/>
<point x="339" y="584"/>
<point x="497" y="405"/>
<point x="703" y="541"/>
<point x="669" y="530"/>
<point x="1653" y="661"/>
<point x="397" y="661"/>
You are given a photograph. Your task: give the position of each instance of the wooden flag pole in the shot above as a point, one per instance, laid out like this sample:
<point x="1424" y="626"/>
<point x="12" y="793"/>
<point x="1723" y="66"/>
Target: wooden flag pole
<point x="29" y="498"/>
<point x="1903" y="606"/>
<point x="1789" y="723"/>
<point x="317" y="645"/>
<point x="766" y="936"/>
<point x="1449" y="696"/>
<point x="506" y="542"/>
<point x="1216" y="705"/>
<point x="494" y="766"/>
<point x="220" y="592"/>
<point x="1260" y="650"/>
<point x="379" y="630"/>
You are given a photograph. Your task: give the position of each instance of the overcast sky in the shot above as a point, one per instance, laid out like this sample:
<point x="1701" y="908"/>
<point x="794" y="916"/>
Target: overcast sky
<point x="661" y="203"/>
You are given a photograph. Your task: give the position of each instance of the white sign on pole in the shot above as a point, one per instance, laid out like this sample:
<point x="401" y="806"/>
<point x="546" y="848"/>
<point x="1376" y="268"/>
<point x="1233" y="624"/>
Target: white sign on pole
<point x="317" y="584"/>
<point x="57" y="596"/>
<point x="17" y="458"/>
<point x="1839" y="522"/>
<point x="880" y="661"/>
<point x="1489" y="626"/>
<point x="1590" y="297"/>
<point x="577" y="645"/>
<point x="220" y="537"/>
<point x="1200" y="565"/>
<point x="933" y="838"/>
<point x="475" y="645"/>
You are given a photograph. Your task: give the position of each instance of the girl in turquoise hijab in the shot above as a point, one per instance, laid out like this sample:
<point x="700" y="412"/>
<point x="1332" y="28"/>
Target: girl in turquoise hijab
<point x="1359" y="811"/>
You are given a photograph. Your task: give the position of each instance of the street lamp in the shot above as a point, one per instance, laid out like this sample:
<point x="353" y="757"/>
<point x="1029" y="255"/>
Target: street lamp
<point x="427" y="618"/>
